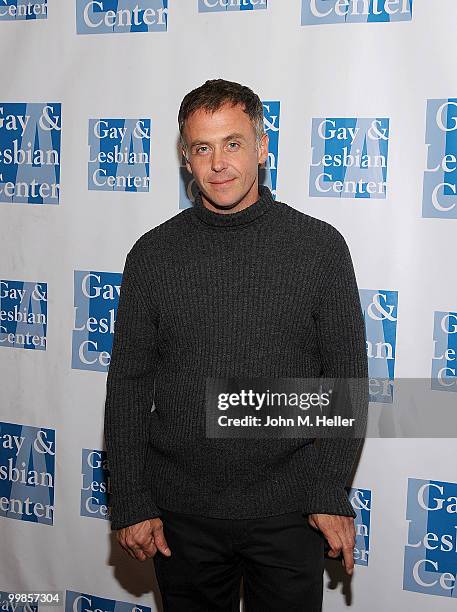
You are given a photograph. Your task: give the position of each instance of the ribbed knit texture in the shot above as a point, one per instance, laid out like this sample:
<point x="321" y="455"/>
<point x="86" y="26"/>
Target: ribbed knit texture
<point x="265" y="291"/>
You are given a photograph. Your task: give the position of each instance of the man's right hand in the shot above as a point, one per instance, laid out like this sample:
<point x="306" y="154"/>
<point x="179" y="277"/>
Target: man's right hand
<point x="144" y="539"/>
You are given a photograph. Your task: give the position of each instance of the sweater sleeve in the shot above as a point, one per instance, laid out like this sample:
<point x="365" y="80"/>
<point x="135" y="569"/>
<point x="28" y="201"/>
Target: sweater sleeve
<point x="129" y="399"/>
<point x="341" y="336"/>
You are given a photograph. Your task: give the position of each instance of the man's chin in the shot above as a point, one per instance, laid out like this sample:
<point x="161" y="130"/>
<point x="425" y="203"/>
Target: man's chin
<point x="227" y="198"/>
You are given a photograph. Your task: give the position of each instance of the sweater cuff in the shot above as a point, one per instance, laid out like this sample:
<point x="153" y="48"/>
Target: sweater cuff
<point x="133" y="509"/>
<point x="327" y="498"/>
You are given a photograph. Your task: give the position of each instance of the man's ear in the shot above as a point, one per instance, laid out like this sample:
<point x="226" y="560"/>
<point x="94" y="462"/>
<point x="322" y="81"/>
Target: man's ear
<point x="263" y="149"/>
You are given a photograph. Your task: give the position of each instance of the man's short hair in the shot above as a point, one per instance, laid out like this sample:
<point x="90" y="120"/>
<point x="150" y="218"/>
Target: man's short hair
<point x="215" y="93"/>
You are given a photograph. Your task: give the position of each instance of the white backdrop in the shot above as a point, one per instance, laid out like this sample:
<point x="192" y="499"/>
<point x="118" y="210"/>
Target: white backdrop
<point x="393" y="74"/>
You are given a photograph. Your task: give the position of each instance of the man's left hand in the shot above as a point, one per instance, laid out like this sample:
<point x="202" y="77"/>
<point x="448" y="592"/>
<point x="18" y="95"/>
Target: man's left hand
<point x="339" y="531"/>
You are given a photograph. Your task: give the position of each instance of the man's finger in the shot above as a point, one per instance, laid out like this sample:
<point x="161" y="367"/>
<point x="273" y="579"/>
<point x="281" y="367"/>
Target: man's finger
<point x="334" y="552"/>
<point x="335" y="544"/>
<point x="139" y="554"/>
<point x="348" y="558"/>
<point x="142" y="552"/>
<point x="135" y="547"/>
<point x="121" y="539"/>
<point x="160" y="541"/>
<point x="150" y="547"/>
<point x="129" y="551"/>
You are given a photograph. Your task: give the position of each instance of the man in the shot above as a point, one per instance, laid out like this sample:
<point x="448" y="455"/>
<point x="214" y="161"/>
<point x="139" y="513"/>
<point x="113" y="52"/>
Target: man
<point x="236" y="286"/>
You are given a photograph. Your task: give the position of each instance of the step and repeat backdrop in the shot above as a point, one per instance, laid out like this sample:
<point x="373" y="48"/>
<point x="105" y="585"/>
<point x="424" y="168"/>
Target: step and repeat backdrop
<point x="360" y="104"/>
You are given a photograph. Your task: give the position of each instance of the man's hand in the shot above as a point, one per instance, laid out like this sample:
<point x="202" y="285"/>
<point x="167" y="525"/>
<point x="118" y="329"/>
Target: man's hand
<point x="144" y="539"/>
<point x="339" y="531"/>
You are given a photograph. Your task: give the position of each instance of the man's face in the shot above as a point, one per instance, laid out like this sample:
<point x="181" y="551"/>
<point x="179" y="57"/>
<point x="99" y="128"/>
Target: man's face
<point x="223" y="157"/>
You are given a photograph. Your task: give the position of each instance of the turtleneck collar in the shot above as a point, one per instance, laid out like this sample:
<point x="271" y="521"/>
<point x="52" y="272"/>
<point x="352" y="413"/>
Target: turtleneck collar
<point x="264" y="203"/>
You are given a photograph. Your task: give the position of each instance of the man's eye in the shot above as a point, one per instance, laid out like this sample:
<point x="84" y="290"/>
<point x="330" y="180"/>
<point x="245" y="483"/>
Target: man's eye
<point x="200" y="149"/>
<point x="233" y="143"/>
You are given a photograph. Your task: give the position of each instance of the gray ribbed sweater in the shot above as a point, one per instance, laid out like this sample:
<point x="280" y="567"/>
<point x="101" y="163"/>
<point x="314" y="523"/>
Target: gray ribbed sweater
<point x="266" y="291"/>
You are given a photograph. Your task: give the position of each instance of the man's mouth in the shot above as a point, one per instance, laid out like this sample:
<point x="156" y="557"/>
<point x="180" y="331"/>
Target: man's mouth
<point x="221" y="182"/>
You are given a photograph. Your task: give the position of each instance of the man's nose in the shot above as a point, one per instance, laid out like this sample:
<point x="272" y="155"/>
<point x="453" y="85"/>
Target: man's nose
<point x="218" y="161"/>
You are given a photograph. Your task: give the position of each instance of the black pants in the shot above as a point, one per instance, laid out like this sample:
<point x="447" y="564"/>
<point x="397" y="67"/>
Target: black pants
<point x="281" y="559"/>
